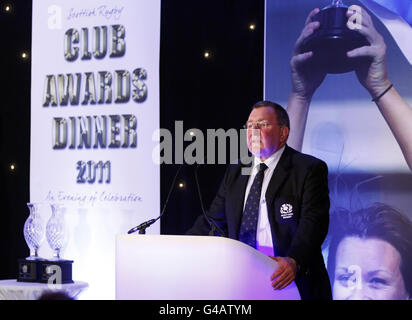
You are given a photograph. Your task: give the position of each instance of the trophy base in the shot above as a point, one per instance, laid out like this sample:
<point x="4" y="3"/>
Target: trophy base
<point x="56" y="271"/>
<point x="332" y="40"/>
<point x="45" y="271"/>
<point x="29" y="270"/>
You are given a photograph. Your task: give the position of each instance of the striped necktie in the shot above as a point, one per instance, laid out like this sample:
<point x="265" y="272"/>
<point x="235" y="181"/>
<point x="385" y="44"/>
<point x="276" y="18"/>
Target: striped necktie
<point x="248" y="227"/>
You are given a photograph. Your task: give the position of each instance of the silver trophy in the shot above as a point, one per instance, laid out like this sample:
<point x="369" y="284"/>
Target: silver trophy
<point x="56" y="231"/>
<point x="57" y="269"/>
<point x="33" y="231"/>
<point x="36" y="269"/>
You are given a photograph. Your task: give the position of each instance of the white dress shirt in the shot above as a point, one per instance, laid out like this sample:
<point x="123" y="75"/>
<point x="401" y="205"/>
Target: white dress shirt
<point x="263" y="234"/>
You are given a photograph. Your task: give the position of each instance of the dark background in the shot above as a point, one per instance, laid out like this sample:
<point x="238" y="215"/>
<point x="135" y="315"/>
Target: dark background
<point x="204" y="93"/>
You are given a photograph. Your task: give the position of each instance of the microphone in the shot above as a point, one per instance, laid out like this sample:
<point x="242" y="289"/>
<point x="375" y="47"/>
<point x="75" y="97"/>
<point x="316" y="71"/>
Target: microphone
<point x="143" y="226"/>
<point x="211" y="222"/>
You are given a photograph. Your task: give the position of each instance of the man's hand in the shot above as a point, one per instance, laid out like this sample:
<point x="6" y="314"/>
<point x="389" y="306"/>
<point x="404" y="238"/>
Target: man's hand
<point x="373" y="76"/>
<point x="285" y="273"/>
<point x="305" y="79"/>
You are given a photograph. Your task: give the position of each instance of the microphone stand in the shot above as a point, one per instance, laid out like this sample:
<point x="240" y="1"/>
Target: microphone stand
<point x="212" y="223"/>
<point x="143" y="226"/>
<point x="213" y="226"/>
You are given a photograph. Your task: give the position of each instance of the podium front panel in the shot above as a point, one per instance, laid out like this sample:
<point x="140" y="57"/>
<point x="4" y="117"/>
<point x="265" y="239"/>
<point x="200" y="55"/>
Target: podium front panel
<point x="161" y="267"/>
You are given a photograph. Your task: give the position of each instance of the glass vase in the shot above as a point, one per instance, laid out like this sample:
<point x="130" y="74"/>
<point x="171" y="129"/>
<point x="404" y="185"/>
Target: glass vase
<point x="56" y="232"/>
<point x="33" y="231"/>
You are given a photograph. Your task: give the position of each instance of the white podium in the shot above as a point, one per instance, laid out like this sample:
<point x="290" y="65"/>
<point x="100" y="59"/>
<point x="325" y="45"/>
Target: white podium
<point x="160" y="267"/>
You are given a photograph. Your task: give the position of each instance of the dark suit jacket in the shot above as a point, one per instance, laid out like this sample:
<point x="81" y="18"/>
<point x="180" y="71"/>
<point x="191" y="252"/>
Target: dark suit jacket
<point x="301" y="181"/>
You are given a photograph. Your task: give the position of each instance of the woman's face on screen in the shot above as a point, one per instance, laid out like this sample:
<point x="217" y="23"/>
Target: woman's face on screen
<point x="368" y="269"/>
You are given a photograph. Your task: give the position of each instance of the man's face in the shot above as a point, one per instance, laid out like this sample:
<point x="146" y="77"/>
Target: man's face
<point x="263" y="142"/>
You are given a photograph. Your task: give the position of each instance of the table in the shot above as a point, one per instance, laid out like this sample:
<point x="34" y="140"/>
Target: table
<point x="12" y="290"/>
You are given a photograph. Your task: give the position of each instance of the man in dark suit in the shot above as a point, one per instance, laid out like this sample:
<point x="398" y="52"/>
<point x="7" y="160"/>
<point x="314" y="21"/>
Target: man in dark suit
<point x="281" y="208"/>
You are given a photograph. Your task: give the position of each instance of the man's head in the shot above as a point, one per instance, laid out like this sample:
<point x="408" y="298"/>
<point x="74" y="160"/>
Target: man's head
<point x="268" y="129"/>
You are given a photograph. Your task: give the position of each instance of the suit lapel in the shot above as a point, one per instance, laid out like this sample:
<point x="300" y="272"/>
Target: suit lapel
<point x="278" y="177"/>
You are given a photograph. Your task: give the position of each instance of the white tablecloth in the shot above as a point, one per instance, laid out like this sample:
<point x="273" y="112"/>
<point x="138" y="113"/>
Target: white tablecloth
<point x="13" y="290"/>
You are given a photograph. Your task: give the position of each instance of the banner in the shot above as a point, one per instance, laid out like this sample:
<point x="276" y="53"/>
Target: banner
<point x="94" y="109"/>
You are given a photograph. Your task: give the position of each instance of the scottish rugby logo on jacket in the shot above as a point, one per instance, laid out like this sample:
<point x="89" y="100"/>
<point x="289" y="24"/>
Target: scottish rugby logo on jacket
<point x="285" y="210"/>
